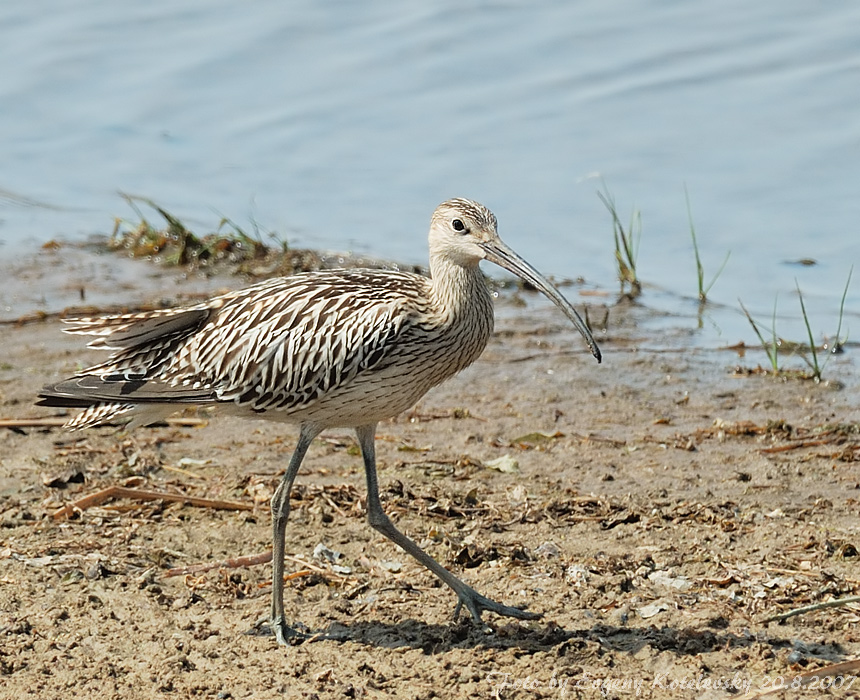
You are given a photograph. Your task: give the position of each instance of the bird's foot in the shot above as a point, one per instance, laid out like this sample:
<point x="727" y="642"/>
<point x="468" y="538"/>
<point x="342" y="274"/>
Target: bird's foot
<point x="286" y="635"/>
<point x="477" y="604"/>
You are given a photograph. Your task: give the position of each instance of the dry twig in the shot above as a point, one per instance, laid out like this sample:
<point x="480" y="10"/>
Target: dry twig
<point x="248" y="560"/>
<point x="100" y="497"/>
<point x="236" y="563"/>
<point x="838" y="603"/>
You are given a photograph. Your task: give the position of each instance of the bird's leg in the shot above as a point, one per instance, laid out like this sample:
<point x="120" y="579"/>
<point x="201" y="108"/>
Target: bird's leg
<point x="280" y="512"/>
<point x="467" y="596"/>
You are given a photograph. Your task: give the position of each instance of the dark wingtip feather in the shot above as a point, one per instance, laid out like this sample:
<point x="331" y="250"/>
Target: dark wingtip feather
<point x="91" y="390"/>
<point x="59" y="396"/>
<point x="58" y="401"/>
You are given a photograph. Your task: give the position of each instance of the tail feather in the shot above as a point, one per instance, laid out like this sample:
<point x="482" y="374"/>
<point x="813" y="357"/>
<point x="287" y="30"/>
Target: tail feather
<point x="105" y="401"/>
<point x="134" y="415"/>
<point x="100" y="414"/>
<point x="124" y="387"/>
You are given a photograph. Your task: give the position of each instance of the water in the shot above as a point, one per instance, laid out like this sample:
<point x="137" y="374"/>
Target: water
<point x="341" y="126"/>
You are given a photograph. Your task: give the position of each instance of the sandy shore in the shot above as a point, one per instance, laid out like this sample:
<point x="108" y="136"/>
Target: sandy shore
<point x="660" y="510"/>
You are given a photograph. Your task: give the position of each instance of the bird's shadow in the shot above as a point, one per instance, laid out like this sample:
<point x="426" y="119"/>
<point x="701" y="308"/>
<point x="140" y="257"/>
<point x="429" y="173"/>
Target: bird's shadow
<point x="545" y="636"/>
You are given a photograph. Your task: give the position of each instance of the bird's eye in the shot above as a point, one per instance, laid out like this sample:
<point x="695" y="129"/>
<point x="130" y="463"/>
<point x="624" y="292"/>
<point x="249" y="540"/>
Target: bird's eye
<point x="458" y="225"/>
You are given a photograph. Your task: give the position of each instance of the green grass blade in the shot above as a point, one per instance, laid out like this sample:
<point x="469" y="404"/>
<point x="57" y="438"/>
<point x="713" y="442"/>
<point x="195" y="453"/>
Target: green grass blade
<point x="700" y="270"/>
<point x="772" y="349"/>
<point x="837" y="342"/>
<point x="816" y="370"/>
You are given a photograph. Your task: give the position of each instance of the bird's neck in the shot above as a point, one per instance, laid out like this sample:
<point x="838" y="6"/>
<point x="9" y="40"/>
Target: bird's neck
<point x="461" y="293"/>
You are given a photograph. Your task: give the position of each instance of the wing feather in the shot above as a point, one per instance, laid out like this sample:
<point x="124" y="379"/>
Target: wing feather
<point x="130" y="330"/>
<point x="281" y="344"/>
<point x="303" y="343"/>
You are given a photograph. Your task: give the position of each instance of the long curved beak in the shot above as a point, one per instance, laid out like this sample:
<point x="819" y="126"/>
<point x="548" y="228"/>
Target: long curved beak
<point x="499" y="253"/>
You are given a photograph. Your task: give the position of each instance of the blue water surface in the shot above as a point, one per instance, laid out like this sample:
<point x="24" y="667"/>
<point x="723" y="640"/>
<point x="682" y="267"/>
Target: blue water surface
<point x="341" y="125"/>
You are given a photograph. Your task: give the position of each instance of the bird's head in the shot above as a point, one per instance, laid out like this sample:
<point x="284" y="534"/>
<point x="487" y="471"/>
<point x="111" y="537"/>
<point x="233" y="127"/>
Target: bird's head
<point x="463" y="233"/>
<point x="461" y="230"/>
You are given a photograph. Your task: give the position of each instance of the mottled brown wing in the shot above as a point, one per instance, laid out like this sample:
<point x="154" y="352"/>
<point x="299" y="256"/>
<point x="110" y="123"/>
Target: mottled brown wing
<point x="286" y="346"/>
<point x="279" y="344"/>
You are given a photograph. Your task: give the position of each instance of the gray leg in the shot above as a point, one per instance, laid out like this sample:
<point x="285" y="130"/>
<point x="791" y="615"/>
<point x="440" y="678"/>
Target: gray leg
<point x="280" y="512"/>
<point x="467" y="596"/>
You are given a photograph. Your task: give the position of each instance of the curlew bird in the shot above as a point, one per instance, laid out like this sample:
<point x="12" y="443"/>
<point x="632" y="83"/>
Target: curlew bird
<point x="338" y="348"/>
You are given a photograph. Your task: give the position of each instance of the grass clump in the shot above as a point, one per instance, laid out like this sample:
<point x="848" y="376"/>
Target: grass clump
<point x="228" y="247"/>
<point x="626" y="246"/>
<point x="808" y="350"/>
